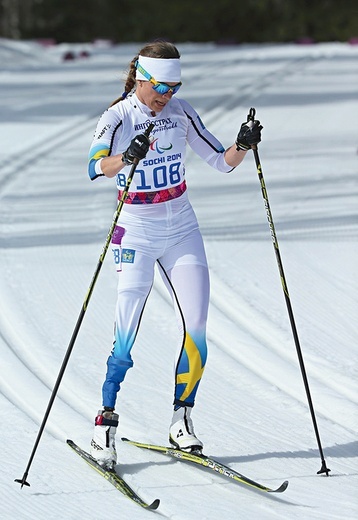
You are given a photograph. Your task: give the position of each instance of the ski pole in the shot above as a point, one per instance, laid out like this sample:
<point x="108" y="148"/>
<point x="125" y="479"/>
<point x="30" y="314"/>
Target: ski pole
<point x="23" y="480"/>
<point x="324" y="469"/>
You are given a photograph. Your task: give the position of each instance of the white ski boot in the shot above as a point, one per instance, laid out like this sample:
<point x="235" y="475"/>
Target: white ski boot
<point x="181" y="433"/>
<point x="103" y="444"/>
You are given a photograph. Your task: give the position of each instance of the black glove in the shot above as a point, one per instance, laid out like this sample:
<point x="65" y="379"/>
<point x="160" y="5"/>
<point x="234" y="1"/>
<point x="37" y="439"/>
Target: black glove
<point x="138" y="149"/>
<point x="250" y="133"/>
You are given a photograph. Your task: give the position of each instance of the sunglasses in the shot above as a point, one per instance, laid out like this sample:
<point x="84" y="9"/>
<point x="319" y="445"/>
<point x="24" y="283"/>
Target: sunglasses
<point x="158" y="86"/>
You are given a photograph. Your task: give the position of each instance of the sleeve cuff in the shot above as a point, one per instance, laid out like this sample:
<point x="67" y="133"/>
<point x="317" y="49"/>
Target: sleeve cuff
<point x="97" y="167"/>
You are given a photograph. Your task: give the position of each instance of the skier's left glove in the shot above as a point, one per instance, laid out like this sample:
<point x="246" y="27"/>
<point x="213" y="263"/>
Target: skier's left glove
<point x="250" y="133"/>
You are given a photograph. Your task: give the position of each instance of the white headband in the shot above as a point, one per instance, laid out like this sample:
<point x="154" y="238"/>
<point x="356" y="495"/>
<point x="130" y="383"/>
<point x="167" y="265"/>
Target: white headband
<point x="162" y="69"/>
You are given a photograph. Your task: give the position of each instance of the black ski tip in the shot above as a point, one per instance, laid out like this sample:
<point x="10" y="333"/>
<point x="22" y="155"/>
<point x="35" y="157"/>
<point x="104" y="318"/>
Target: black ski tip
<point x="154" y="505"/>
<point x="281" y="489"/>
<point x="22" y="481"/>
<point x="72" y="444"/>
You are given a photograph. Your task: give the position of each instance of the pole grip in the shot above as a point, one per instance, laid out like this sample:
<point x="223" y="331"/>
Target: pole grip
<point x="250" y="123"/>
<point x="149" y="129"/>
<point x="251" y="115"/>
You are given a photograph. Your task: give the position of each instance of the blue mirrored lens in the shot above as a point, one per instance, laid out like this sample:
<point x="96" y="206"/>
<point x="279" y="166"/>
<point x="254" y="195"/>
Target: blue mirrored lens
<point x="163" y="88"/>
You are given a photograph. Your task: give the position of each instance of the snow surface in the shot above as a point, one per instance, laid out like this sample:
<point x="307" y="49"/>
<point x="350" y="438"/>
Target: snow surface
<point x="252" y="410"/>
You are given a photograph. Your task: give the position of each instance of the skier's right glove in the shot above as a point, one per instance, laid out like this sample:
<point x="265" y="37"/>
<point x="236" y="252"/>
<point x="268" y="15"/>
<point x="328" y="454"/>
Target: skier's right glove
<point x="138" y="149"/>
<point x="250" y="133"/>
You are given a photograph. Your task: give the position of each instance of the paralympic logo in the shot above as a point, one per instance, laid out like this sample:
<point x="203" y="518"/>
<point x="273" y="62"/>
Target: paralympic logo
<point x="159" y="149"/>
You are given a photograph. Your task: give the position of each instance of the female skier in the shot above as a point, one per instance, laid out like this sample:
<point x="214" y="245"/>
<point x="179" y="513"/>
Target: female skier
<point x="157" y="225"/>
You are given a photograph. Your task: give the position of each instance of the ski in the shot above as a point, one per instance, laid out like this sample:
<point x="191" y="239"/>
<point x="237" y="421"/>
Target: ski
<point x="116" y="480"/>
<point x="207" y="462"/>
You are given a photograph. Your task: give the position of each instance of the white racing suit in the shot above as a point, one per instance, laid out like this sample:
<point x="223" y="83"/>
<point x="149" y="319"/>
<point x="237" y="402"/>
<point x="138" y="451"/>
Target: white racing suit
<point x="157" y="225"/>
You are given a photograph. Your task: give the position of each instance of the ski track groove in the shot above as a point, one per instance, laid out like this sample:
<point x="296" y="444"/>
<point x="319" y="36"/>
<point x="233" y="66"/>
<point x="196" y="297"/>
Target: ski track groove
<point x="247" y="314"/>
<point x="277" y="360"/>
<point x="215" y="114"/>
<point x="13" y="168"/>
<point x="29" y="405"/>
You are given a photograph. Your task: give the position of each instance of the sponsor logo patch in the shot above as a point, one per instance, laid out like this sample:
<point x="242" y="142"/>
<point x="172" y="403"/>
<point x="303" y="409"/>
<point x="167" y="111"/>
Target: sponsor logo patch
<point x="128" y="256"/>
